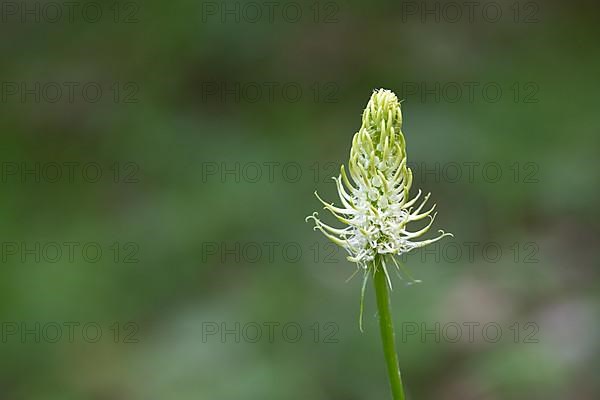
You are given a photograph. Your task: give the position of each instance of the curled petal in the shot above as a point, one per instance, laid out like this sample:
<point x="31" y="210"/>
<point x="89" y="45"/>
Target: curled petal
<point x="418" y="210"/>
<point x="416" y="217"/>
<point x="329" y="236"/>
<point x="411" y="235"/>
<point x="331" y="207"/>
<point x="346" y="180"/>
<point x="413" y="201"/>
<point x="422" y="243"/>
<point x="335" y="231"/>
<point x="345" y="198"/>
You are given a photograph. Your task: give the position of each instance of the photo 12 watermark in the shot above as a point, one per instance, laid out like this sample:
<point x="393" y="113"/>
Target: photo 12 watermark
<point x="68" y="92"/>
<point x="269" y="92"/>
<point x="270" y="12"/>
<point x="471" y="92"/>
<point x="71" y="252"/>
<point x="68" y="172"/>
<point x="69" y="12"/>
<point x="12" y="332"/>
<point x="468" y="332"/>
<point x="269" y="332"/>
<point x="470" y="12"/>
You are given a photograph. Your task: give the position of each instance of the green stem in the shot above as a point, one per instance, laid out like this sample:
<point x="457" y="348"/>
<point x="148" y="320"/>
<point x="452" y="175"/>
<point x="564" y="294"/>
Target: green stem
<point x="386" y="326"/>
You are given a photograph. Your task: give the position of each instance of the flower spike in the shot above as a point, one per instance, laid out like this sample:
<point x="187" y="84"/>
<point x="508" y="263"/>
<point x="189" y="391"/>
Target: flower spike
<point x="374" y="194"/>
<point x="377" y="212"/>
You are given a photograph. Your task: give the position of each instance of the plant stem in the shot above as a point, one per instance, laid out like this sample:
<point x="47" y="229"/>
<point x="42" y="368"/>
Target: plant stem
<point x="386" y="326"/>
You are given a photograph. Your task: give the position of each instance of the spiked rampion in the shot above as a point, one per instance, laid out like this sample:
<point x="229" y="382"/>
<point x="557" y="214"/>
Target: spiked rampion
<point x="376" y="208"/>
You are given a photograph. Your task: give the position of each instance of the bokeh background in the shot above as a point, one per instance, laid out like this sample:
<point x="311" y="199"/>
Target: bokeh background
<point x="204" y="185"/>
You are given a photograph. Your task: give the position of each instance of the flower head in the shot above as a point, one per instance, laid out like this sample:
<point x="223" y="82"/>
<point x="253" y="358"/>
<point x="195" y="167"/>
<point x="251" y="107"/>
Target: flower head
<point x="376" y="208"/>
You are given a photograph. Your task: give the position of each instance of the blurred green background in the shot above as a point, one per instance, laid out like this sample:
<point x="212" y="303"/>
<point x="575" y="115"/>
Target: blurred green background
<point x="199" y="253"/>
